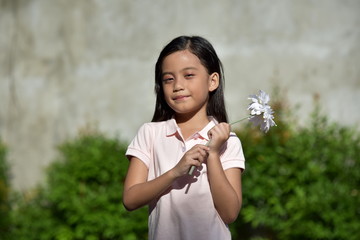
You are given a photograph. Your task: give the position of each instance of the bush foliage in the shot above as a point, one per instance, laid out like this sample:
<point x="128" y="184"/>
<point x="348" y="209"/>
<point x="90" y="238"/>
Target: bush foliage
<point x="83" y="196"/>
<point x="4" y="193"/>
<point x="298" y="184"/>
<point x="301" y="184"/>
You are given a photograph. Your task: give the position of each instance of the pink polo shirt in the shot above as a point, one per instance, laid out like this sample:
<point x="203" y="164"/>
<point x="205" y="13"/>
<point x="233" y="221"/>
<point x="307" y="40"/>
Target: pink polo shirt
<point x="186" y="211"/>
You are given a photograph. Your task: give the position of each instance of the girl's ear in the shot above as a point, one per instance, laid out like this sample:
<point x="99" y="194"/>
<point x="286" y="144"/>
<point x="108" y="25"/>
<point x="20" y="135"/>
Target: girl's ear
<point x="214" y="80"/>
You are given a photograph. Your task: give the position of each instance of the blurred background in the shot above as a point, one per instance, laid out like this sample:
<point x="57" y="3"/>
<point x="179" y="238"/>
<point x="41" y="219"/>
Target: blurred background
<point x="65" y="65"/>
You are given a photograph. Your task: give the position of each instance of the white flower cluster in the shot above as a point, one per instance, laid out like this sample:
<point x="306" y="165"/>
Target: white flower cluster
<point x="260" y="111"/>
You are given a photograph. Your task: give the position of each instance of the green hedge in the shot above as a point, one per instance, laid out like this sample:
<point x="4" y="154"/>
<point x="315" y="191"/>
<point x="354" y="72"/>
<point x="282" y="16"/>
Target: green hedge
<point x="4" y="193"/>
<point x="298" y="184"/>
<point x="302" y="184"/>
<point x="83" y="196"/>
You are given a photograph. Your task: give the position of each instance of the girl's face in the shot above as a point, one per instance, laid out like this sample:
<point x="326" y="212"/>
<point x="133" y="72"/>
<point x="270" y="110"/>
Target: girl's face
<point x="187" y="83"/>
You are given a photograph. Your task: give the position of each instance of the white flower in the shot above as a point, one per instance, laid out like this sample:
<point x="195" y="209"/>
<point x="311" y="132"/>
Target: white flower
<point x="258" y="103"/>
<point x="260" y="112"/>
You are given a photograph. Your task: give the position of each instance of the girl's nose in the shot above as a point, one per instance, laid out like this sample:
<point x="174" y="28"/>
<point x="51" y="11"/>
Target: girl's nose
<point x="178" y="84"/>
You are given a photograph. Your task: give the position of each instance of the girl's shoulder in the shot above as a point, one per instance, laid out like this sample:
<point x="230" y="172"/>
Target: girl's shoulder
<point x="154" y="127"/>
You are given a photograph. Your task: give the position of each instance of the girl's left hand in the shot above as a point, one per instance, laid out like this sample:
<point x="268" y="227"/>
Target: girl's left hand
<point x="218" y="135"/>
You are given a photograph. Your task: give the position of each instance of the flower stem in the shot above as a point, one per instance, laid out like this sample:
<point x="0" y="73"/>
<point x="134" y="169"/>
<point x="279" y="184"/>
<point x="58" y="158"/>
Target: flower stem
<point x="239" y="120"/>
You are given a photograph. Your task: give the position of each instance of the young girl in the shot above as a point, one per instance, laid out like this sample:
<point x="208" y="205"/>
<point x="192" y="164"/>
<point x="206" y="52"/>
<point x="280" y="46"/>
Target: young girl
<point x="189" y="128"/>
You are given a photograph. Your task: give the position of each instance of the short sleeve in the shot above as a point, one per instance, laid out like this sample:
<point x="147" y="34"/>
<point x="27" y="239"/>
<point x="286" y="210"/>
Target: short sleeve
<point x="141" y="146"/>
<point x="233" y="155"/>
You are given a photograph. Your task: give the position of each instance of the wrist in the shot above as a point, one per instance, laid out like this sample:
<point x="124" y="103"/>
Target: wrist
<point x="173" y="174"/>
<point x="213" y="154"/>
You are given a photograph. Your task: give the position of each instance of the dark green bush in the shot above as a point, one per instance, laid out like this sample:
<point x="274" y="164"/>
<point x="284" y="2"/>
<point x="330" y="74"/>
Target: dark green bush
<point x="4" y="193"/>
<point x="298" y="184"/>
<point x="301" y="184"/>
<point x="83" y="196"/>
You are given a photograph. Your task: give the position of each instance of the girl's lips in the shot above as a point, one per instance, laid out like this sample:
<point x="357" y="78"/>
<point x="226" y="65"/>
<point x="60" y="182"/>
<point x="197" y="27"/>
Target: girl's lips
<point x="179" y="98"/>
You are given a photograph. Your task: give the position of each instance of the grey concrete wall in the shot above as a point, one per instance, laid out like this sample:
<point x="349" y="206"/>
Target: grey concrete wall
<point x="65" y="63"/>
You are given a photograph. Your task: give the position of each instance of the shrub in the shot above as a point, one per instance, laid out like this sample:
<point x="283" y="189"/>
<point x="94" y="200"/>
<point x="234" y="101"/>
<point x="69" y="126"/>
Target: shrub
<point x="298" y="184"/>
<point x="83" y="196"/>
<point x="4" y="193"/>
<point x="301" y="184"/>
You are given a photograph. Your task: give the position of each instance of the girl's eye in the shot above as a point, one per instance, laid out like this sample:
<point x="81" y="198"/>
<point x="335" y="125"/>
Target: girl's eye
<point x="166" y="80"/>
<point x="190" y="75"/>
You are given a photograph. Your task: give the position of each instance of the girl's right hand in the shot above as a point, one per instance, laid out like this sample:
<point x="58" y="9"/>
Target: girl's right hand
<point x="194" y="157"/>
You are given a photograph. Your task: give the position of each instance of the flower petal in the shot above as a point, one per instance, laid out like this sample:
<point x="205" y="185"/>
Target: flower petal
<point x="264" y="97"/>
<point x="261" y="113"/>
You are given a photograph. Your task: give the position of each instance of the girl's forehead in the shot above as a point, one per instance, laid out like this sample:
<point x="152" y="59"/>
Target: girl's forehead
<point x="181" y="59"/>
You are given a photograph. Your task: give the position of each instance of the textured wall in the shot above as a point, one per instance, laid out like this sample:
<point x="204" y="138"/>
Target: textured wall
<point x="65" y="63"/>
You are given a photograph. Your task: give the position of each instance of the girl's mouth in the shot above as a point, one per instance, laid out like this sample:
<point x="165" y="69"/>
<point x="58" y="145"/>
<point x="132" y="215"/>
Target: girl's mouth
<point x="180" y="98"/>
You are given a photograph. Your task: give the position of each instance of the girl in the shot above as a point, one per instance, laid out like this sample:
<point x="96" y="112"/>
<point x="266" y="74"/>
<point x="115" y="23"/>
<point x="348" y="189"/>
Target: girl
<point x="189" y="113"/>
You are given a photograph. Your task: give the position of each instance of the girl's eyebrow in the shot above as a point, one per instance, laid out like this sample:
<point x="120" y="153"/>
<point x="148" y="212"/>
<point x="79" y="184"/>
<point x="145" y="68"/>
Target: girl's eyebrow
<point x="189" y="68"/>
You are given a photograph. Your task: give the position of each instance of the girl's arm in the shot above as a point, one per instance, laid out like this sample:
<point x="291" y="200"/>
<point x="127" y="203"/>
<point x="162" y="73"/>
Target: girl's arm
<point x="225" y="189"/>
<point x="139" y="192"/>
<point x="225" y="185"/>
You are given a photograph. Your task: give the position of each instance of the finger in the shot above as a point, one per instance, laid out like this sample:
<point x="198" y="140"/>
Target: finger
<point x="199" y="148"/>
<point x="195" y="162"/>
<point x="221" y="129"/>
<point x="200" y="157"/>
<point x="213" y="133"/>
<point x="204" y="153"/>
<point x="196" y="155"/>
<point x="202" y="147"/>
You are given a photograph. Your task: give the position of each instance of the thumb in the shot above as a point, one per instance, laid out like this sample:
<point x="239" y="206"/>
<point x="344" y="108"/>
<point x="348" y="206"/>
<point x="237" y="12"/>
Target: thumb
<point x="209" y="133"/>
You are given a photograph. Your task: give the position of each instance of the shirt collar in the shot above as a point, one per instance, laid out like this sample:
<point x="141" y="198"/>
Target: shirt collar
<point x="172" y="128"/>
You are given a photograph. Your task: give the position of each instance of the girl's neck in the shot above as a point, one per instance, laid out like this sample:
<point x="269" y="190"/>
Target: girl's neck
<point x="191" y="124"/>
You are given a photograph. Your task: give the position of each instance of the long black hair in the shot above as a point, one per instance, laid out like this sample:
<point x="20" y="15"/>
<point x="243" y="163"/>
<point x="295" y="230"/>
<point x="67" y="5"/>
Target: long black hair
<point x="203" y="49"/>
